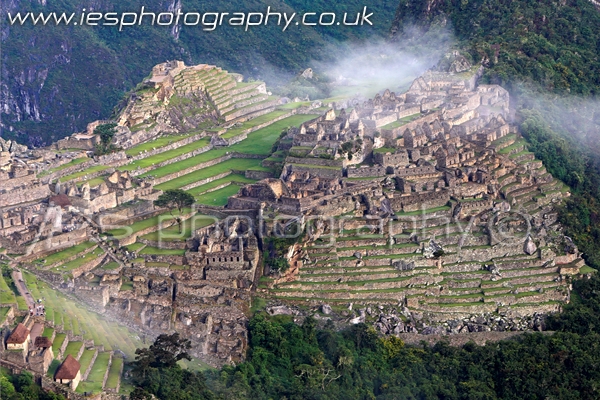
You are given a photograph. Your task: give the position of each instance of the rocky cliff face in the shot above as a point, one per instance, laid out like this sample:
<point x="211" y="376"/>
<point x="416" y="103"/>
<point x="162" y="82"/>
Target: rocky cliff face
<point x="57" y="79"/>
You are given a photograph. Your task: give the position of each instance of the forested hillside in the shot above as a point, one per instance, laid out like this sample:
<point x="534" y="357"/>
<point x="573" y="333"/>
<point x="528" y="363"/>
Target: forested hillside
<point x="57" y="79"/>
<point x="288" y="361"/>
<point x="554" y="44"/>
<point x="547" y="54"/>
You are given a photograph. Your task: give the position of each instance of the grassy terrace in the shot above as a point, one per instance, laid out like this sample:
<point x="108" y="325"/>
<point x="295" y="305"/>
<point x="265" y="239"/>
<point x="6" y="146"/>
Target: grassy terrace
<point x="147" y="223"/>
<point x="293" y="106"/>
<point x="71" y="163"/>
<point x="218" y="197"/>
<point x="3" y="313"/>
<point x="7" y="296"/>
<point x="69" y="252"/>
<point x="587" y="270"/>
<point x="228" y="179"/>
<point x="518" y="144"/>
<point x="114" y="373"/>
<point x="73" y="349"/>
<point x="156" y="144"/>
<point x="86" y="359"/>
<point x="62" y="310"/>
<point x="167" y="155"/>
<point x="111" y="266"/>
<point x="262" y="140"/>
<point x="78" y="262"/>
<point x="253" y="122"/>
<point x="504" y="139"/>
<point x="519" y="154"/>
<point x="265" y="137"/>
<point x="94" y="381"/>
<point x="401" y="122"/>
<point x="92" y="182"/>
<point x="135" y="246"/>
<point x="187" y="163"/>
<point x="58" y="341"/>
<point x="164" y="252"/>
<point x="89" y="171"/>
<point x="239" y="164"/>
<point x="385" y="150"/>
<point x="264" y="102"/>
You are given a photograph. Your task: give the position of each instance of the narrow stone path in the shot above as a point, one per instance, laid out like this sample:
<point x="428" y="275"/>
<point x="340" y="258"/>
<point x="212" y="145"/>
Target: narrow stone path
<point x="22" y="288"/>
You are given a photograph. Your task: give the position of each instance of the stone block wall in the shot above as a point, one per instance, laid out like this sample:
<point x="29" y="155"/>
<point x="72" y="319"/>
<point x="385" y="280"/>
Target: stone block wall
<point x="16" y="182"/>
<point x="158" y="181"/>
<point x="258" y="175"/>
<point x="72" y="143"/>
<point x="141" y="171"/>
<point x="172" y="146"/>
<point x="205" y="181"/>
<point x="97" y="296"/>
<point x="56" y="243"/>
<point x="315" y="161"/>
<point x="406" y="112"/>
<point x="366" y="172"/>
<point x="88" y="266"/>
<point x="23" y="195"/>
<point x="173" y="260"/>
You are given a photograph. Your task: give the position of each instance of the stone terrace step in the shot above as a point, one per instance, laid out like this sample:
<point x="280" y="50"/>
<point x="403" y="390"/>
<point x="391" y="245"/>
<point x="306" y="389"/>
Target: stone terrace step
<point x="529" y="279"/>
<point x="252" y="110"/>
<point x="385" y="296"/>
<point x="244" y="103"/>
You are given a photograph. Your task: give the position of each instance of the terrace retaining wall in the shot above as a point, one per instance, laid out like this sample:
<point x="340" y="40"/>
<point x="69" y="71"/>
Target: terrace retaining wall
<point x="245" y="133"/>
<point x="89" y="368"/>
<point x="172" y="146"/>
<point x="88" y="266"/>
<point x="205" y="181"/>
<point x="185" y="156"/>
<point x="107" y="370"/>
<point x="174" y="175"/>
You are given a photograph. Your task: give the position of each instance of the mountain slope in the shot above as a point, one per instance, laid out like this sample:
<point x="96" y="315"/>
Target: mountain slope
<point x="547" y="54"/>
<point x="57" y="79"/>
<point x="554" y="44"/>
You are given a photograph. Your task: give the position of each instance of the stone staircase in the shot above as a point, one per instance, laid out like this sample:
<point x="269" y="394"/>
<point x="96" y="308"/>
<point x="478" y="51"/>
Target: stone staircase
<point x="233" y="100"/>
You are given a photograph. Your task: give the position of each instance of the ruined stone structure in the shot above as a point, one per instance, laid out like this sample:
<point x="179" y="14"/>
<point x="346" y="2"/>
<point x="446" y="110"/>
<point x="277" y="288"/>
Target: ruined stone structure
<point x="425" y="202"/>
<point x="436" y="197"/>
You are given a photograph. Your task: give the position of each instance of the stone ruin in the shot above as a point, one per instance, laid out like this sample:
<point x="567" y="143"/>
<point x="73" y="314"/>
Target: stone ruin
<point x="443" y="152"/>
<point x="435" y="195"/>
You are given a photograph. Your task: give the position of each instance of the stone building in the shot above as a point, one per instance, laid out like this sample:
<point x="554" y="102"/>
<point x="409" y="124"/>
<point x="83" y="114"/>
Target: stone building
<point x="19" y="339"/>
<point x="68" y="372"/>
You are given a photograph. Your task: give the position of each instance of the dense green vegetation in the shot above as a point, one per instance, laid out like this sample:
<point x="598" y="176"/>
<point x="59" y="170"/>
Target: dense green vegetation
<point x="291" y="361"/>
<point x="543" y="52"/>
<point x="106" y="133"/>
<point x="23" y="387"/>
<point x="552" y="44"/>
<point x="72" y="75"/>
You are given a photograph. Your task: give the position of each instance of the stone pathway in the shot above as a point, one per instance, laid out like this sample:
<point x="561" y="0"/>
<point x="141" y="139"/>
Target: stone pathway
<point x="22" y="288"/>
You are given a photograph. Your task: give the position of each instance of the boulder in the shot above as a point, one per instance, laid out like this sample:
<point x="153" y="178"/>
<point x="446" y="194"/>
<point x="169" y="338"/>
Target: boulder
<point x="529" y="248"/>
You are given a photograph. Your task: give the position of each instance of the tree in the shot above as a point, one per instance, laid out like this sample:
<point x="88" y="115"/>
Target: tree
<point x="107" y="133"/>
<point x="175" y="199"/>
<point x="165" y="352"/>
<point x="140" y="394"/>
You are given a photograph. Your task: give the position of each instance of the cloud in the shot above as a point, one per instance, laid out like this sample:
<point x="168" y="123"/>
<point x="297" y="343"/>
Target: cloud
<point x="365" y="67"/>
